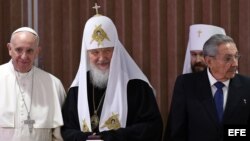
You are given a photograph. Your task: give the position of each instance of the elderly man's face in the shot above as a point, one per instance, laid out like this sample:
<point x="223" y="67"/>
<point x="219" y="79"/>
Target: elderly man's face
<point x="197" y="61"/>
<point x="101" y="58"/>
<point x="23" y="49"/>
<point x="224" y="65"/>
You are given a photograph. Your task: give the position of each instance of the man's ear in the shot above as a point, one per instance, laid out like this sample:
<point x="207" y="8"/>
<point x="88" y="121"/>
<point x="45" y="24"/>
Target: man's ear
<point x="9" y="48"/>
<point x="207" y="60"/>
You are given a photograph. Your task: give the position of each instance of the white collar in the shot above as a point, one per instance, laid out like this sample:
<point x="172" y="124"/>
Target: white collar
<point x="212" y="80"/>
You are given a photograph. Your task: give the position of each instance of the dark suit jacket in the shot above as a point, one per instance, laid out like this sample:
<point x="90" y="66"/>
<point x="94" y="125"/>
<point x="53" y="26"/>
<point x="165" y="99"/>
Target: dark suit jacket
<point x="193" y="114"/>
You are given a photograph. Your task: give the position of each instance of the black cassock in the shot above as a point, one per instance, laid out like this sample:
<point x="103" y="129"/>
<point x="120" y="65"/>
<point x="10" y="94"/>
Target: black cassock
<point x="144" y="121"/>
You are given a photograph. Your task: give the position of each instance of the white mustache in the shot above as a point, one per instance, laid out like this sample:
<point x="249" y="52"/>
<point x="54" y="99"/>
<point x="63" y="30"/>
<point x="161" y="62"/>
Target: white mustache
<point x="102" y="62"/>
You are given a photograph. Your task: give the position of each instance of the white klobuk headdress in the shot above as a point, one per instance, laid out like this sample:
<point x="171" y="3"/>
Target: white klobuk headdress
<point x="198" y="35"/>
<point x="100" y="32"/>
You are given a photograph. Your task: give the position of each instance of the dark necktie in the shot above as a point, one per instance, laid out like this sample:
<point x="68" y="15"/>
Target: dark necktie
<point x="218" y="98"/>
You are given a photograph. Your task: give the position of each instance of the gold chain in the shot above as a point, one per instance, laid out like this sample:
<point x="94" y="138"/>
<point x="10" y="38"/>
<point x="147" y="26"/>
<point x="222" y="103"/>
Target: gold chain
<point x="95" y="110"/>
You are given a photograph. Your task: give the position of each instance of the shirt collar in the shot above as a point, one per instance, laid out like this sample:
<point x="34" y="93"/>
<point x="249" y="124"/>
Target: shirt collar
<point x="212" y="80"/>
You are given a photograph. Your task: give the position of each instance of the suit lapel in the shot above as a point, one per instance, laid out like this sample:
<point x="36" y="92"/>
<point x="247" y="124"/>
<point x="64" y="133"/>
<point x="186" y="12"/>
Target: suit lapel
<point x="206" y="97"/>
<point x="233" y="97"/>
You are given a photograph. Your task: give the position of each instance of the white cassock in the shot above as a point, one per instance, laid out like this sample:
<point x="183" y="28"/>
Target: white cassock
<point x="43" y="102"/>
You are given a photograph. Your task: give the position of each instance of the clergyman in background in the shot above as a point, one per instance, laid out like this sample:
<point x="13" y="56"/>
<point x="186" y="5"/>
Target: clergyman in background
<point x="198" y="35"/>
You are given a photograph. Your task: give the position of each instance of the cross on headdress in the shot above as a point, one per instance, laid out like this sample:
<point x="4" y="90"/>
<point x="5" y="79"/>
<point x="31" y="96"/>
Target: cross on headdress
<point x="96" y="7"/>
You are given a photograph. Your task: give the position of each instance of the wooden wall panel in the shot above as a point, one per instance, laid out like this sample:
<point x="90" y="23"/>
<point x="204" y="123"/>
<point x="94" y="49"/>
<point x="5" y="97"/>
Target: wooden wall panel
<point x="154" y="48"/>
<point x="11" y="17"/>
<point x="171" y="47"/>
<point x="154" y="32"/>
<point x="244" y="36"/>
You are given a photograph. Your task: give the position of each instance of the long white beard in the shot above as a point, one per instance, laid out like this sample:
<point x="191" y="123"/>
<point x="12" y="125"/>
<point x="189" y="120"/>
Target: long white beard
<point x="99" y="78"/>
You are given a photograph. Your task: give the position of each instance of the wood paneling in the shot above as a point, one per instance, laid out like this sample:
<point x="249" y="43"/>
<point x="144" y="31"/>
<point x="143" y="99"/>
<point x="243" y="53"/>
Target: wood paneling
<point x="11" y="17"/>
<point x="154" y="32"/>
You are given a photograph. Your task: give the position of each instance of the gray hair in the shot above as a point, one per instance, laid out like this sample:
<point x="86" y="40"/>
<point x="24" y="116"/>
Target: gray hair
<point x="210" y="47"/>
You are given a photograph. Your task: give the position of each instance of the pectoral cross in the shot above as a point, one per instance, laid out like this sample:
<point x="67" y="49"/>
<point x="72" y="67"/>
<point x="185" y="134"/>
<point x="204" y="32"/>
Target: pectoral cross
<point x="30" y="123"/>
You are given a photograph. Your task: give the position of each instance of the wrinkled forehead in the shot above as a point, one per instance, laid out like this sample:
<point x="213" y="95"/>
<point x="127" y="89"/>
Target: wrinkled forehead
<point x="101" y="49"/>
<point x="99" y="32"/>
<point x="25" y="34"/>
<point x="23" y="39"/>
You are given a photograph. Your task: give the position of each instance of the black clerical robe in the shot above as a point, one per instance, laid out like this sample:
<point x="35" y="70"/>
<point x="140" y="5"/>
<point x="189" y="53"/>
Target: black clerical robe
<point x="144" y="121"/>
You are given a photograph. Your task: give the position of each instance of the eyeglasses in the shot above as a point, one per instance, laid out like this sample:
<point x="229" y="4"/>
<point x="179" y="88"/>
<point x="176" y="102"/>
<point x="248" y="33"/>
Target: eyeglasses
<point x="230" y="58"/>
